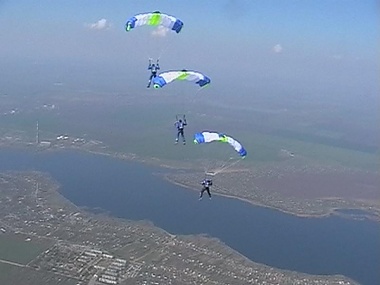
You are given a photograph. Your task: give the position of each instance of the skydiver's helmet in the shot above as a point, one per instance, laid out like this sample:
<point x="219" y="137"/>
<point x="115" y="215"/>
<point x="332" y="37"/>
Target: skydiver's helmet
<point x="180" y="121"/>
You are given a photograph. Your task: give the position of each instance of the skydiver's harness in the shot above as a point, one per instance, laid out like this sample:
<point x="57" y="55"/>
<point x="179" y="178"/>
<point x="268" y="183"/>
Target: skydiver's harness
<point x="180" y="125"/>
<point x="206" y="183"/>
<point x="154" y="67"/>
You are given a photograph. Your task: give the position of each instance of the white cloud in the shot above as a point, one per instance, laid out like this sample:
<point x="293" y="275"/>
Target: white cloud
<point x="102" y="24"/>
<point x="161" y="31"/>
<point x="277" y="48"/>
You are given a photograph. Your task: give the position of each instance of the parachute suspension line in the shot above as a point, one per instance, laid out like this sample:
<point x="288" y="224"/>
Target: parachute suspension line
<point x="180" y="116"/>
<point x="165" y="25"/>
<point x="214" y="167"/>
<point x="194" y="97"/>
<point x="207" y="167"/>
<point x="163" y="49"/>
<point x="164" y="43"/>
<point x="206" y="170"/>
<point x="228" y="162"/>
<point x="222" y="165"/>
<point x="227" y="166"/>
<point x="152" y="48"/>
<point x="196" y="93"/>
<point x="159" y="49"/>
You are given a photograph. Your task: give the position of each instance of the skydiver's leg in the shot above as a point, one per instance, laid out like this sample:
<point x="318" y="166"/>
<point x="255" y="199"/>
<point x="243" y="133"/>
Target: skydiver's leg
<point x="208" y="192"/>
<point x="201" y="195"/>
<point x="183" y="137"/>
<point x="177" y="138"/>
<point x="150" y="81"/>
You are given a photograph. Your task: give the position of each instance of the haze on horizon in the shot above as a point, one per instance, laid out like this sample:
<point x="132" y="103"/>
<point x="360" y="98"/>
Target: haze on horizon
<point x="308" y="52"/>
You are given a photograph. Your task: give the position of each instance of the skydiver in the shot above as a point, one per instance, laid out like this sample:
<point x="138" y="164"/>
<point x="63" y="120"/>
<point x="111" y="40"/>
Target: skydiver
<point x="180" y="125"/>
<point x="206" y="183"/>
<point x="153" y="68"/>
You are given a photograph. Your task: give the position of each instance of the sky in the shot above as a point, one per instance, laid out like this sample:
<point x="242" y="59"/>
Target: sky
<point x="326" y="48"/>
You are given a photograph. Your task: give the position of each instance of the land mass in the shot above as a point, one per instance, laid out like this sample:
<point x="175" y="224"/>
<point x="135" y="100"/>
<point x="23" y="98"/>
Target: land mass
<point x="296" y="162"/>
<point x="301" y="188"/>
<point x="45" y="239"/>
<point x="309" y="168"/>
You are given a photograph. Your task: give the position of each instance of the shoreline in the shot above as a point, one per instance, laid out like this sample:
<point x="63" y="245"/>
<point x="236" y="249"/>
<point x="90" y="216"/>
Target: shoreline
<point x="158" y="163"/>
<point x="206" y="247"/>
<point x="151" y="161"/>
<point x="253" y="203"/>
<point x="330" y="212"/>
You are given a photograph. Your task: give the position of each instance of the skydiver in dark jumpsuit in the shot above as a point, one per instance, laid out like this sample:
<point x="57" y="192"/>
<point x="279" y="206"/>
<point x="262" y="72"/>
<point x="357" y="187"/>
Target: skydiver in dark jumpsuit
<point x="206" y="187"/>
<point x="180" y="125"/>
<point x="153" y="68"/>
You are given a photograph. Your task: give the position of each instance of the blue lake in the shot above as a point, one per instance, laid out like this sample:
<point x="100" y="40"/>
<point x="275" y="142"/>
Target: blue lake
<point x="332" y="245"/>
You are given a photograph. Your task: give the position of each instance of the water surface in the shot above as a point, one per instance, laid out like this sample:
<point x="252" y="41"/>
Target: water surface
<point x="332" y="245"/>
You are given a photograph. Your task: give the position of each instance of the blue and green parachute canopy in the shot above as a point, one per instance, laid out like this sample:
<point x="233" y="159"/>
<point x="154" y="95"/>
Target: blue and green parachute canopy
<point x="208" y="137"/>
<point x="169" y="76"/>
<point x="154" y="19"/>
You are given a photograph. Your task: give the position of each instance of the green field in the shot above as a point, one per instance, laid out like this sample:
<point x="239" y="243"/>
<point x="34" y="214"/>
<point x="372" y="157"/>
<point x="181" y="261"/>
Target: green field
<point x="14" y="275"/>
<point x="15" y="248"/>
<point x="144" y="125"/>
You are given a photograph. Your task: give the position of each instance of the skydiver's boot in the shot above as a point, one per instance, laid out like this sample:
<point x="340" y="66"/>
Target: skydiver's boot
<point x="176" y="141"/>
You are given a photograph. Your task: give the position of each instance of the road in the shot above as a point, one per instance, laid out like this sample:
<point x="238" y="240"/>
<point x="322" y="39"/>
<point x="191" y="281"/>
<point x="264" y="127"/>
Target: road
<point x="12" y="263"/>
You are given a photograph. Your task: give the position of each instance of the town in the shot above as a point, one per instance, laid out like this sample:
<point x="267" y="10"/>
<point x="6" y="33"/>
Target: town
<point x="71" y="246"/>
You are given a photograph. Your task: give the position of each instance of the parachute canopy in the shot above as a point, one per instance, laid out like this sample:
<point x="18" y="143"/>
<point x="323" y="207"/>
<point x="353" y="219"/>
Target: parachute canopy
<point x="154" y="19"/>
<point x="208" y="137"/>
<point x="168" y="76"/>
